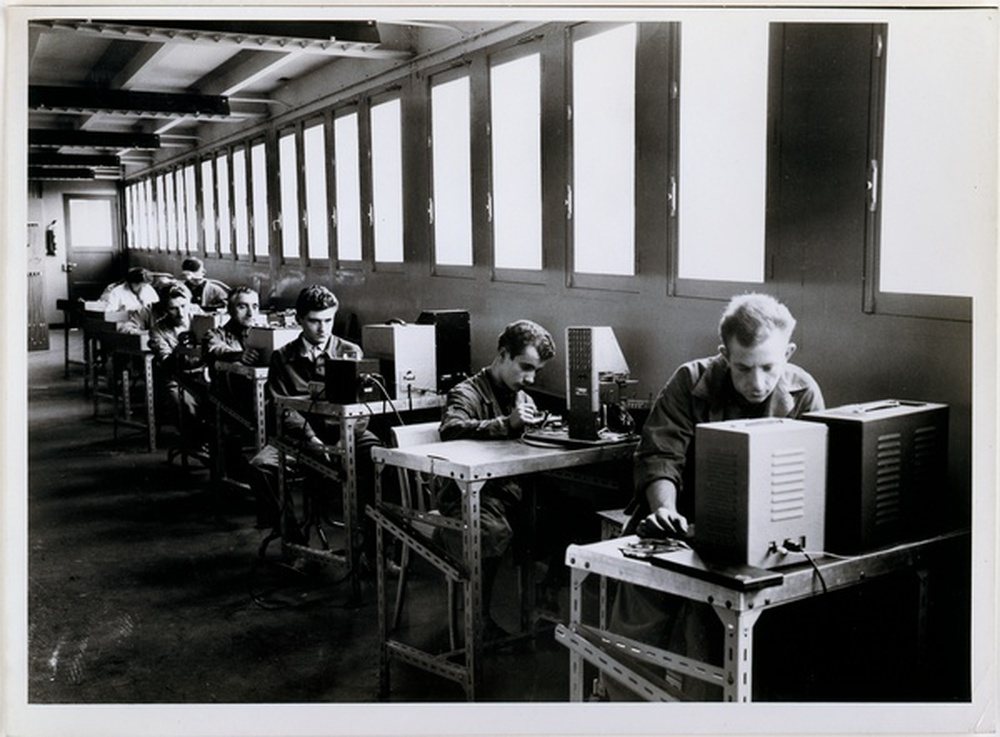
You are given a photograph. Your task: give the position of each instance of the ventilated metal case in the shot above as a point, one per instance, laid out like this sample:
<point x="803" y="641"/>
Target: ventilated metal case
<point x="888" y="461"/>
<point x="759" y="483"/>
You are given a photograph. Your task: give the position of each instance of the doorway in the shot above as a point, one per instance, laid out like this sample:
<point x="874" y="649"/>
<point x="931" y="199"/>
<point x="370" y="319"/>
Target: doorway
<point x="92" y="244"/>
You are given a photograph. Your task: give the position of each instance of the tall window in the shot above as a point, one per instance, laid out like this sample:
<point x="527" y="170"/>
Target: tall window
<point x="130" y="215"/>
<point x="723" y="134"/>
<point x="288" y="174"/>
<point x="258" y="181"/>
<point x="222" y="185"/>
<point x="317" y="228"/>
<point x="191" y="197"/>
<point x="182" y="214"/>
<point x="240" y="220"/>
<point x="171" y="210"/>
<point x="161" y="212"/>
<point x="515" y="124"/>
<point x="938" y="185"/>
<point x="348" y="183"/>
<point x="451" y="185"/>
<point x="142" y="210"/>
<point x="603" y="130"/>
<point x="387" y="181"/>
<point x="208" y="204"/>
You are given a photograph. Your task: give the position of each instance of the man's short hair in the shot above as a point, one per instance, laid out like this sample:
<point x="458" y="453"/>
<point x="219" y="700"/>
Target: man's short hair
<point x="138" y="275"/>
<point x="173" y="290"/>
<point x="314" y="298"/>
<point x="192" y="264"/>
<point x="236" y="292"/>
<point x="751" y="318"/>
<point x="523" y="333"/>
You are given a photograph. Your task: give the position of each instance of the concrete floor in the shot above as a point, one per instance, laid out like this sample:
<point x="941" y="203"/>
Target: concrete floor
<point x="142" y="590"/>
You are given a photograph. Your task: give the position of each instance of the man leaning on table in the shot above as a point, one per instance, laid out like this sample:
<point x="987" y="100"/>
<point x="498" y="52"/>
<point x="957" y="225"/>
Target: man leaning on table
<point x="492" y="404"/>
<point x="750" y="377"/>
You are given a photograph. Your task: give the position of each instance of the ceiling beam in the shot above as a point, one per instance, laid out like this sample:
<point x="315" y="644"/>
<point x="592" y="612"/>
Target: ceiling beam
<point x="92" y="139"/>
<point x="96" y="99"/>
<point x="242" y="70"/>
<point x="51" y="158"/>
<point x="42" y="172"/>
<point x="313" y="37"/>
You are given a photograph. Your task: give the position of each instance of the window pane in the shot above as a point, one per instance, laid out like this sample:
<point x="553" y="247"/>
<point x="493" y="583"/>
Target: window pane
<point x="208" y="204"/>
<point x="452" y="185"/>
<point x="225" y="226"/>
<point x="261" y="223"/>
<point x="939" y="173"/>
<point x="723" y="128"/>
<point x="142" y="199"/>
<point x="130" y="215"/>
<point x="348" y="178"/>
<point x="91" y="224"/>
<point x="171" y="206"/>
<point x="387" y="182"/>
<point x="314" y="145"/>
<point x="515" y="109"/>
<point x="288" y="174"/>
<point x="182" y="216"/>
<point x="161" y="213"/>
<point x="240" y="201"/>
<point x="191" y="196"/>
<point x="604" y="152"/>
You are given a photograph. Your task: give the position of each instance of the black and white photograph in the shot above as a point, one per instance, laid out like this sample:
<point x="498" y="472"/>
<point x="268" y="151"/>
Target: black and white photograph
<point x="499" y="369"/>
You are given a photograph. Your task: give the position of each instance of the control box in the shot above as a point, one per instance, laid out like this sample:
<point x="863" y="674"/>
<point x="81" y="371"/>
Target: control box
<point x="758" y="484"/>
<point x="349" y="380"/>
<point x="406" y="354"/>
<point x="453" y="345"/>
<point x="888" y="462"/>
<point x="596" y="370"/>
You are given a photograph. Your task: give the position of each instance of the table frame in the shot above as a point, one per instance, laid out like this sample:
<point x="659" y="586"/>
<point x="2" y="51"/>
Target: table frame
<point x="738" y="610"/>
<point x="257" y="423"/>
<point x="348" y="416"/>
<point x="470" y="464"/>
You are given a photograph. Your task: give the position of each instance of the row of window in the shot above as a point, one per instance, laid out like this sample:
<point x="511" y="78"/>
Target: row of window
<point x="326" y="199"/>
<point x="333" y="186"/>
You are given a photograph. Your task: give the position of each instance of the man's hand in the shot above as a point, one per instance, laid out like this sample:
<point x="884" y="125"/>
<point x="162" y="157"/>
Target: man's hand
<point x="250" y="356"/>
<point x="664" y="522"/>
<point x="317" y="447"/>
<point x="521" y="416"/>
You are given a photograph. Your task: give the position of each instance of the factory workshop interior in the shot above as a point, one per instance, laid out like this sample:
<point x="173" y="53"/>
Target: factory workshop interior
<point x="445" y="174"/>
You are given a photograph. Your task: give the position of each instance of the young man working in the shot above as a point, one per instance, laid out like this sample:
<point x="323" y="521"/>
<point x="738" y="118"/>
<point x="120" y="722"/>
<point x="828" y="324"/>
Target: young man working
<point x="227" y="343"/>
<point x="488" y="405"/>
<point x="208" y="294"/>
<point x="292" y="368"/>
<point x="132" y="294"/>
<point x="750" y="377"/>
<point x="168" y="322"/>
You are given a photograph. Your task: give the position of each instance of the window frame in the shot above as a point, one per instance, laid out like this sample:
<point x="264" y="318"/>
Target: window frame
<point x="520" y="50"/>
<point x="628" y="283"/>
<point x="874" y="300"/>
<point x="334" y="194"/>
<point x="322" y="120"/>
<point x="444" y="76"/>
<point x="366" y="133"/>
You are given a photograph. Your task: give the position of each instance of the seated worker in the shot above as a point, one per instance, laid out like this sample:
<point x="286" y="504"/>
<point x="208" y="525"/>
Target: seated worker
<point x="750" y="377"/>
<point x="168" y="322"/>
<point x="292" y="368"/>
<point x="132" y="294"/>
<point x="227" y="343"/>
<point x="492" y="404"/>
<point x="208" y="294"/>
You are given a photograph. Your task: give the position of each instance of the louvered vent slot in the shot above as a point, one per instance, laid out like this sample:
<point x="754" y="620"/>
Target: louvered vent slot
<point x="722" y="478"/>
<point x="788" y="484"/>
<point x="889" y="455"/>
<point x="925" y="448"/>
